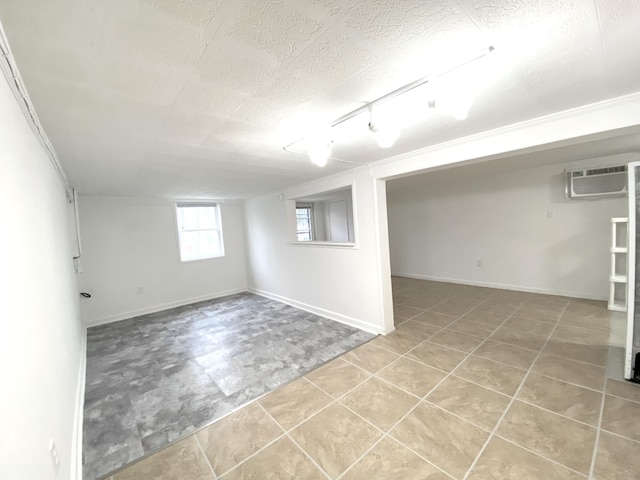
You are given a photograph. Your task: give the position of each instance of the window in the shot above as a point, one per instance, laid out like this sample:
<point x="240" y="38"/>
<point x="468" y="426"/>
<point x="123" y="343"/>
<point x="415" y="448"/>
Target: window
<point x="304" y="222"/>
<point x="323" y="218"/>
<point x="199" y="231"/>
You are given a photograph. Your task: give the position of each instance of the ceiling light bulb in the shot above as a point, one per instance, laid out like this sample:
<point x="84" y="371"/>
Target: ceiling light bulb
<point x="319" y="149"/>
<point x="455" y="104"/>
<point x="385" y="132"/>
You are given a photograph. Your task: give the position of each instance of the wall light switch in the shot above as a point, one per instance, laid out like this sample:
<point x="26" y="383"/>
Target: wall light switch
<point x="140" y="290"/>
<point x="479" y="263"/>
<point x="550" y="213"/>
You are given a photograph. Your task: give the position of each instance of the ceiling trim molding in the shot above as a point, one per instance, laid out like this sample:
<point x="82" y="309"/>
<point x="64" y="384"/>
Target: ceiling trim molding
<point x="566" y="126"/>
<point x="11" y="73"/>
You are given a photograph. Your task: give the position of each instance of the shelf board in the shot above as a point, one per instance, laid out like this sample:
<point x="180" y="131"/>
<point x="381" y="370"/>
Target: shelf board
<point x="619" y="220"/>
<point x="618" y="278"/>
<point x="617" y="307"/>
<point x="619" y="250"/>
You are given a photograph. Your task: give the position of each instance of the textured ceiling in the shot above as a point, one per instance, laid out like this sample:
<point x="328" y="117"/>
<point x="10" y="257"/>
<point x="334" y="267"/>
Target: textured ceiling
<point x="195" y="98"/>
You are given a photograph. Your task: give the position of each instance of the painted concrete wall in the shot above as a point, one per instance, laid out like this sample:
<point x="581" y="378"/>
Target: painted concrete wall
<point x="41" y="335"/>
<point x="132" y="242"/>
<point x="519" y="225"/>
<point x="341" y="283"/>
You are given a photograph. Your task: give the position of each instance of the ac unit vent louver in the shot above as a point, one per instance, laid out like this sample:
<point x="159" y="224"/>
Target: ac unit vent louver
<point x="597" y="182"/>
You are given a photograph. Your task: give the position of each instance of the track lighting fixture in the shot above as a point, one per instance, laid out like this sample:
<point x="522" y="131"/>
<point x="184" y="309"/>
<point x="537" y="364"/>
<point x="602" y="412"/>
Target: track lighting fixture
<point x="452" y="100"/>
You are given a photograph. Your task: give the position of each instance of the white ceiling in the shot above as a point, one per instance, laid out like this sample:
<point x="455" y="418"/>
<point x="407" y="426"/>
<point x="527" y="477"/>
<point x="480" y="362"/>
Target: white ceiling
<point x="196" y="98"/>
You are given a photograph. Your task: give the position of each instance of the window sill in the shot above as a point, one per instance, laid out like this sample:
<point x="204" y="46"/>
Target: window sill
<point x="325" y="244"/>
<point x="201" y="259"/>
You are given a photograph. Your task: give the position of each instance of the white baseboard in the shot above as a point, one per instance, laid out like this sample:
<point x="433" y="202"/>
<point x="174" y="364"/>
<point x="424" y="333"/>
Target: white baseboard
<point x="352" y="322"/>
<point x="76" y="442"/>
<point x="158" y="308"/>
<point x="500" y="286"/>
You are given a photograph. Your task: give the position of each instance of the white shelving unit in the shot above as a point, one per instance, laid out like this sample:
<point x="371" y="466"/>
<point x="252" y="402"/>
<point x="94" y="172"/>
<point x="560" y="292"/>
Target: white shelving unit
<point x="618" y="275"/>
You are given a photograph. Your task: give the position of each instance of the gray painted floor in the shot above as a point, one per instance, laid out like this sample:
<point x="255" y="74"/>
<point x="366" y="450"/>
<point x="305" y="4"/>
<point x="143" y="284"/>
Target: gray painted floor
<point x="157" y="377"/>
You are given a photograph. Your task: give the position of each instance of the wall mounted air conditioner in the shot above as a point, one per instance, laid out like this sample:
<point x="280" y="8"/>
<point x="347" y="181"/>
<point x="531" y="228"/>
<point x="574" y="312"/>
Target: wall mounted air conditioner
<point x="597" y="182"/>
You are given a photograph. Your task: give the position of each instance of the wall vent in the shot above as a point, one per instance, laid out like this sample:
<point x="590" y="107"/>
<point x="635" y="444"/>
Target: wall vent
<point x="597" y="182"/>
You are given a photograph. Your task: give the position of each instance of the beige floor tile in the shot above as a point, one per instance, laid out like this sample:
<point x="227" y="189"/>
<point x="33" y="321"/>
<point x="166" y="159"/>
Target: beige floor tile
<point x="617" y="458"/>
<point x="499" y="308"/>
<point x="622" y="417"/>
<point x="370" y="358"/>
<point x="490" y="374"/>
<point x="435" y="319"/>
<point x="535" y="314"/>
<point x="456" y="340"/>
<point x="622" y="388"/>
<point x="594" y="354"/>
<point x="508" y="354"/>
<point x="180" y="460"/>
<point x="519" y="339"/>
<point x="237" y="436"/>
<point x="484" y="318"/>
<point x="282" y="460"/>
<point x="455" y="307"/>
<point x="576" y="320"/>
<point x="470" y="327"/>
<point x="389" y="460"/>
<point x="337" y="377"/>
<point x="565" y="441"/>
<point x="423" y="301"/>
<point x="419" y="330"/>
<point x="503" y="460"/>
<point x="405" y="311"/>
<point x="572" y="371"/>
<point x="586" y="336"/>
<point x="437" y="356"/>
<point x="566" y="399"/>
<point x="380" y="403"/>
<point x="473" y="403"/>
<point x="292" y="403"/>
<point x="524" y="323"/>
<point x="397" y="342"/>
<point x="442" y="438"/>
<point x="412" y="376"/>
<point x="335" y="438"/>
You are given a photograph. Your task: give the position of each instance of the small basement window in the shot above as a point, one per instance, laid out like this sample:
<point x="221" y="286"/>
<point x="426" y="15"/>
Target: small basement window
<point x="199" y="231"/>
<point x="304" y="222"/>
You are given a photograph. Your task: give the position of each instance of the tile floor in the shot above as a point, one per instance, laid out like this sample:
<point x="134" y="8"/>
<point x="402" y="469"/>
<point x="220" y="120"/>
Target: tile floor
<point x="158" y="377"/>
<point x="473" y="384"/>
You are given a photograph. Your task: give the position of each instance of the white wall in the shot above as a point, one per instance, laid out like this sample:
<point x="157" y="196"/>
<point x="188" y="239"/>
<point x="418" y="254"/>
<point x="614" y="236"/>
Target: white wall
<point x="342" y="283"/>
<point x="41" y="336"/>
<point x="132" y="242"/>
<point x="439" y="231"/>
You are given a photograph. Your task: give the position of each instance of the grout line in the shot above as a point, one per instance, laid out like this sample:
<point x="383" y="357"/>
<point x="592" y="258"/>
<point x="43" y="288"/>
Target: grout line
<point x="620" y="436"/>
<point x="436" y="386"/>
<point x="384" y="434"/>
<point x="598" y="430"/>
<point x="621" y="398"/>
<point x="245" y="460"/>
<point x="513" y="399"/>
<point x="206" y="458"/>
<point x="527" y="449"/>
<point x="286" y="434"/>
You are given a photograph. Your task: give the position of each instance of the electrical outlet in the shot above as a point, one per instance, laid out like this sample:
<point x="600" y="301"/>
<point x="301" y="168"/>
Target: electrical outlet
<point x="140" y="290"/>
<point x="479" y="263"/>
<point x="53" y="453"/>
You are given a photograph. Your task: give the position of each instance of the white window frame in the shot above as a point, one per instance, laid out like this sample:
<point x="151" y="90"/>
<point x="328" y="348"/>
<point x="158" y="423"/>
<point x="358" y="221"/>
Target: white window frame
<point x="312" y="233"/>
<point x="218" y="215"/>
